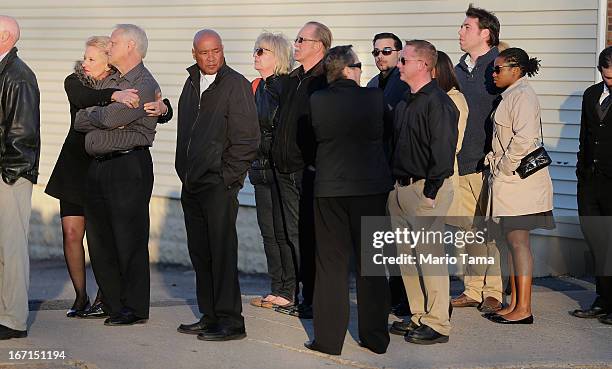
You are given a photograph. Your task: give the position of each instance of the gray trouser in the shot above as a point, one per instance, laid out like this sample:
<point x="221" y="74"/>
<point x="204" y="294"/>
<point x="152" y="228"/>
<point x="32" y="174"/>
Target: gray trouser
<point x="16" y="206"/>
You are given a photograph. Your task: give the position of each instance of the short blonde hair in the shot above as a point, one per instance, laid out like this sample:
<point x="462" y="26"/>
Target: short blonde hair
<point x="281" y="48"/>
<point x="425" y="50"/>
<point x="101" y="42"/>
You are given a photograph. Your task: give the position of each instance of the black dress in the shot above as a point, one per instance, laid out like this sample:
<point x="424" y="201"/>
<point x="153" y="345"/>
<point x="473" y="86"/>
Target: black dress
<point x="67" y="182"/>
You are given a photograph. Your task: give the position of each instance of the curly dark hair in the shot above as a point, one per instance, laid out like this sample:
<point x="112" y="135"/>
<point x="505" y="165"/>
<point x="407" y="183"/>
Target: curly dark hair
<point x="514" y="55"/>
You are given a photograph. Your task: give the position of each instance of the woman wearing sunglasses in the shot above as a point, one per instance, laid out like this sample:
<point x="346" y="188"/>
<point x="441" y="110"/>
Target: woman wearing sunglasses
<point x="273" y="60"/>
<point x="520" y="204"/>
<point x="353" y="181"/>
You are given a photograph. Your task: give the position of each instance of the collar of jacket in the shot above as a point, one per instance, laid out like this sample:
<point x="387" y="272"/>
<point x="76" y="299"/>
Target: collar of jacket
<point x="317" y="70"/>
<point x="483" y="59"/>
<point x="10" y="56"/>
<point x="394" y="72"/>
<point x="519" y="82"/>
<point x="194" y="75"/>
<point x="343" y="82"/>
<point x="425" y="90"/>
<point x="131" y="75"/>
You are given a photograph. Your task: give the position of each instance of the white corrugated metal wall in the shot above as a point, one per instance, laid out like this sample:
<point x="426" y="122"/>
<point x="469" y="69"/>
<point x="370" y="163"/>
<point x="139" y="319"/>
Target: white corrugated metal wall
<point x="563" y="33"/>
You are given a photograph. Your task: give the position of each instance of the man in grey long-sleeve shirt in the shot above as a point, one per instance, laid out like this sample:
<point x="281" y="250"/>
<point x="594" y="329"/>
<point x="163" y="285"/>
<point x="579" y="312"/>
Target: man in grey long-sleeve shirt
<point x="120" y="181"/>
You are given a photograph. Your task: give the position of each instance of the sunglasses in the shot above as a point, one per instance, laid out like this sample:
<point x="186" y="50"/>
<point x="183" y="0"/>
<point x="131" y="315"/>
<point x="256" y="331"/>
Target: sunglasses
<point x="386" y="51"/>
<point x="300" y="39"/>
<point x="404" y="60"/>
<point x="259" y="51"/>
<point x="355" y="65"/>
<point x="497" y="69"/>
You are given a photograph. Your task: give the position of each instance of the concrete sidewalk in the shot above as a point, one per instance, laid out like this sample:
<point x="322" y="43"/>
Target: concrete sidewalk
<point x="274" y="340"/>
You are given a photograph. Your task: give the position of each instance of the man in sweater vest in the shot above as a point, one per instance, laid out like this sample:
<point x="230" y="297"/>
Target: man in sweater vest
<point x="478" y="37"/>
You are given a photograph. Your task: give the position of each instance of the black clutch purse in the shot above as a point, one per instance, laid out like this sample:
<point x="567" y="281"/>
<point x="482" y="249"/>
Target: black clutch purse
<point x="534" y="161"/>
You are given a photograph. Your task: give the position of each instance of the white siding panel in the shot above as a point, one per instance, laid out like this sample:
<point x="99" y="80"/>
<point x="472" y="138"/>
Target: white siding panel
<point x="562" y="33"/>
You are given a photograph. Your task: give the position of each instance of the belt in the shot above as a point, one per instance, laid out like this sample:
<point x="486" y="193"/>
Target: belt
<point x="407" y="181"/>
<point x="116" y="154"/>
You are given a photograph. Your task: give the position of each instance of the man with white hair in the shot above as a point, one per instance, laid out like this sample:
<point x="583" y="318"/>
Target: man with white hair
<point x="19" y="155"/>
<point x="120" y="181"/>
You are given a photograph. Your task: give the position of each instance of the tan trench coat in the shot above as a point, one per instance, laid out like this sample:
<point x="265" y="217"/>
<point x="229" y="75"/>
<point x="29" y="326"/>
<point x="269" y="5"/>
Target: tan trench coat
<point x="516" y="133"/>
<point x="462" y="105"/>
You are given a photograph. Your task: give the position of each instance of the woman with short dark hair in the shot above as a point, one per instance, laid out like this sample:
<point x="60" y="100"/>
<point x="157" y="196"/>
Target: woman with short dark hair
<point x="353" y="181"/>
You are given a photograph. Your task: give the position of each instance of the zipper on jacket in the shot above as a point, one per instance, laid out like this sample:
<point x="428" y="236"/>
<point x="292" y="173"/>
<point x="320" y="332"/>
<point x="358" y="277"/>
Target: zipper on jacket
<point x="285" y="151"/>
<point x="191" y="135"/>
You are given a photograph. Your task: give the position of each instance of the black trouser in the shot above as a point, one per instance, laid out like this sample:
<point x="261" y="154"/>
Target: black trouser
<point x="595" y="210"/>
<point x="297" y="196"/>
<point x="117" y="213"/>
<point x="338" y="231"/>
<point x="210" y="221"/>
<point x="279" y="254"/>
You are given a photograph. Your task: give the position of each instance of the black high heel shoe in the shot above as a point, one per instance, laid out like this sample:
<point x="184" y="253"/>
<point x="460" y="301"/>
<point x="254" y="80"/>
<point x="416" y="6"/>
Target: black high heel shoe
<point x="74" y="310"/>
<point x="96" y="311"/>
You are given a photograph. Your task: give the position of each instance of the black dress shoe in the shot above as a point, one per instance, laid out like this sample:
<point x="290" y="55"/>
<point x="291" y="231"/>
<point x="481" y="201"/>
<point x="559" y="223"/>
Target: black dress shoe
<point x="124" y="319"/>
<point x="195" y="328"/>
<point x="590" y="313"/>
<point x="96" y="311"/>
<point x="314" y="347"/>
<point x="402" y="327"/>
<point x="606" y="319"/>
<point x="425" y="335"/>
<point x="74" y="310"/>
<point x="7" y="333"/>
<point x="501" y="320"/>
<point x="222" y="334"/>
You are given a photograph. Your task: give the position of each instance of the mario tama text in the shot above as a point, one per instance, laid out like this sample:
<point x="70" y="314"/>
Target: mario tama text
<point x="407" y="241"/>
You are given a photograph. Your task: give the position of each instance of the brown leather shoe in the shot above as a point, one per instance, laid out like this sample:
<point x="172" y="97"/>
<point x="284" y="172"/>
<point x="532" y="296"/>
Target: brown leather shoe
<point x="464" y="301"/>
<point x="490" y="305"/>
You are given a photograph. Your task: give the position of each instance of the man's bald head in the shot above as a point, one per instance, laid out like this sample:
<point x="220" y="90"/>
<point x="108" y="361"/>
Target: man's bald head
<point x="208" y="34"/>
<point x="208" y="51"/>
<point x="9" y="33"/>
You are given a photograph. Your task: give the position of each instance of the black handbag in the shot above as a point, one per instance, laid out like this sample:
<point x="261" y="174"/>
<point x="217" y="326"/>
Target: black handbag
<point x="535" y="160"/>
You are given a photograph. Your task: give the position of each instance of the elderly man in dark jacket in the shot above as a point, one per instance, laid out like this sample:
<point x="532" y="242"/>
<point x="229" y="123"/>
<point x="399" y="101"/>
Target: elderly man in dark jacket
<point x="19" y="155"/>
<point x="217" y="139"/>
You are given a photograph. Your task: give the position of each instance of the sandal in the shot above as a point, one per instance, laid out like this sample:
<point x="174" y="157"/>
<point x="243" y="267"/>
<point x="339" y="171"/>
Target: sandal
<point x="262" y="302"/>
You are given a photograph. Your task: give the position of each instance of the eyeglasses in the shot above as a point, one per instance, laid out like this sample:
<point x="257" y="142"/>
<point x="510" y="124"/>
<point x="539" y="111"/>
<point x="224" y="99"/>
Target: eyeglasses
<point x="404" y="60"/>
<point x="497" y="69"/>
<point x="300" y="39"/>
<point x="259" y="51"/>
<point x="355" y="65"/>
<point x="385" y="51"/>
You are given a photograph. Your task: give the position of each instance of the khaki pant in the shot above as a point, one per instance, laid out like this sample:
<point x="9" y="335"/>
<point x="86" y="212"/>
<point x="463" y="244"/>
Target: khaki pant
<point x="16" y="206"/>
<point x="427" y="285"/>
<point x="480" y="280"/>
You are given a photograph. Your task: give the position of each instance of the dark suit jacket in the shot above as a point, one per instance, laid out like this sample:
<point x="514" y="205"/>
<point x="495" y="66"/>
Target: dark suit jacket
<point x="348" y="126"/>
<point x="595" y="149"/>
<point x="393" y="93"/>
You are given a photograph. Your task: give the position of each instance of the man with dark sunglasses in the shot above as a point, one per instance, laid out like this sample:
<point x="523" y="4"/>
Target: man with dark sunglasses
<point x="293" y="153"/>
<point x="386" y="52"/>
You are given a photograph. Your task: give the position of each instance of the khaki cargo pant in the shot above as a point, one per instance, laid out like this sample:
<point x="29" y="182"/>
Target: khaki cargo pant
<point x="427" y="285"/>
<point x="15" y="209"/>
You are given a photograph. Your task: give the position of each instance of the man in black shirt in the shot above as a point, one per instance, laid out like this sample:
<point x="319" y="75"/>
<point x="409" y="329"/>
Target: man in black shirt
<point x="424" y="142"/>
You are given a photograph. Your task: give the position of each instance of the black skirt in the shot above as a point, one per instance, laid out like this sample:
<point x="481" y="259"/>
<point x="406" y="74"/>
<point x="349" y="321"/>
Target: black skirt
<point x="544" y="220"/>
